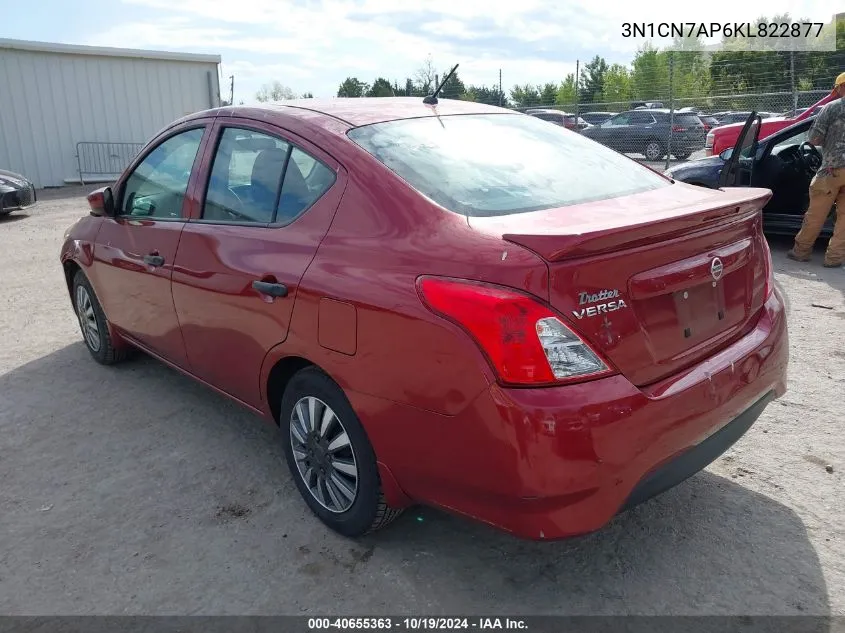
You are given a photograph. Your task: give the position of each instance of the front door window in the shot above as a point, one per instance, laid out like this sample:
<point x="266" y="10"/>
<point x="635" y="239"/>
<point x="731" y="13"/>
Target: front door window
<point x="156" y="189"/>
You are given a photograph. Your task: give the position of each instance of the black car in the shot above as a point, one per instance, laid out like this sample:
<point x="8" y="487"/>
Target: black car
<point x="783" y="162"/>
<point x="16" y="192"/>
<point x="647" y="132"/>
<point x="596" y="118"/>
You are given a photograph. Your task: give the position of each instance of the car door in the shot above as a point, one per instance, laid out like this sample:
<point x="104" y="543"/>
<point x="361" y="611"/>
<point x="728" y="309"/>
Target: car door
<point x="640" y="130"/>
<point x="135" y="250"/>
<point x="266" y="201"/>
<point x="739" y="164"/>
<point x="614" y="131"/>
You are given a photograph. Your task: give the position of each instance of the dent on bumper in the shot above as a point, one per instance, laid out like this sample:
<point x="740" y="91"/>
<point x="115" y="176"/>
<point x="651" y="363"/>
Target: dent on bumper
<point x="558" y="462"/>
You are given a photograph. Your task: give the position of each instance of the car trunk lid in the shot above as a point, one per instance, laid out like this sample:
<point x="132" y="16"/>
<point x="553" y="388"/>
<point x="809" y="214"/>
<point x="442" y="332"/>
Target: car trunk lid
<point x="653" y="282"/>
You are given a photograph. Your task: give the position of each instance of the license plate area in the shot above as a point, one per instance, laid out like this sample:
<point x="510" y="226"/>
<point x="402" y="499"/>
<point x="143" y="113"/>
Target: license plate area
<point x="700" y="311"/>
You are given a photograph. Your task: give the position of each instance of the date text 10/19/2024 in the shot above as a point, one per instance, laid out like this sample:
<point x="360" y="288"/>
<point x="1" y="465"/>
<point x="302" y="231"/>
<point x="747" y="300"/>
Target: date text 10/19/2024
<point x="804" y="30"/>
<point x="416" y="624"/>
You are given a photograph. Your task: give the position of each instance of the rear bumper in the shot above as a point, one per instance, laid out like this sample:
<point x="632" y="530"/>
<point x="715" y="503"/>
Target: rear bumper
<point x="559" y="462"/>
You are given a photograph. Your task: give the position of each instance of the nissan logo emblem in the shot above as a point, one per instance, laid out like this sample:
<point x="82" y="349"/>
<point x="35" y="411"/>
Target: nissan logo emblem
<point x="716" y="268"/>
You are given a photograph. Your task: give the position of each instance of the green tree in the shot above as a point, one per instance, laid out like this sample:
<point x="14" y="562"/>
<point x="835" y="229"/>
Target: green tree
<point x="567" y="92"/>
<point x="381" y="88"/>
<point x="617" y="84"/>
<point x="548" y="94"/>
<point x="525" y="96"/>
<point x="454" y="88"/>
<point x="483" y="94"/>
<point x="592" y="80"/>
<point x="274" y="91"/>
<point x="650" y="74"/>
<point x="308" y="95"/>
<point x="352" y="87"/>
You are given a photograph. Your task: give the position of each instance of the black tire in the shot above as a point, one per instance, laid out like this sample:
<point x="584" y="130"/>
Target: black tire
<point x="103" y="351"/>
<point x="683" y="155"/>
<point x="654" y="150"/>
<point x="368" y="511"/>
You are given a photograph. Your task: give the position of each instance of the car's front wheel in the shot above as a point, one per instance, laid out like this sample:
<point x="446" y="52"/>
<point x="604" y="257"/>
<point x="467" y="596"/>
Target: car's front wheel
<point x="92" y="322"/>
<point x="330" y="458"/>
<point x="682" y="155"/>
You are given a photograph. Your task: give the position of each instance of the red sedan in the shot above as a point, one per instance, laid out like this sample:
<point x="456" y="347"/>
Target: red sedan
<point x="451" y="304"/>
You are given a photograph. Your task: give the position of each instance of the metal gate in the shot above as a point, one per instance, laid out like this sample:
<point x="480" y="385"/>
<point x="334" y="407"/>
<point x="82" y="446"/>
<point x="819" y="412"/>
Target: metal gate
<point x="95" y="160"/>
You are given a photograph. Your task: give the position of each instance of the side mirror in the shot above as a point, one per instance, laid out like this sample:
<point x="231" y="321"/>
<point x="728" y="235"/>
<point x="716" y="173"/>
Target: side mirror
<point x="726" y="154"/>
<point x="101" y="202"/>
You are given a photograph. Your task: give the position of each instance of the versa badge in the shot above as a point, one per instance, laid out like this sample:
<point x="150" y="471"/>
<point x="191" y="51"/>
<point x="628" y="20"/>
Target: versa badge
<point x="610" y="299"/>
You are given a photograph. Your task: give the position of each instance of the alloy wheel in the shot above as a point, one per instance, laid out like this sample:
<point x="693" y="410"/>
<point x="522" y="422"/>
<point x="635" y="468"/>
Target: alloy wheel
<point x="652" y="151"/>
<point x="323" y="454"/>
<point x="87" y="318"/>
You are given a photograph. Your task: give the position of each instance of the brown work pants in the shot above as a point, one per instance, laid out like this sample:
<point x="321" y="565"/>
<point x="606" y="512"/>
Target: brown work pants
<point x="824" y="191"/>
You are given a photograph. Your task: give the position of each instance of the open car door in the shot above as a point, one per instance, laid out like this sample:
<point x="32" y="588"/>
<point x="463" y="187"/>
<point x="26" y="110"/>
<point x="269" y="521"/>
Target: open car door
<point x="740" y="159"/>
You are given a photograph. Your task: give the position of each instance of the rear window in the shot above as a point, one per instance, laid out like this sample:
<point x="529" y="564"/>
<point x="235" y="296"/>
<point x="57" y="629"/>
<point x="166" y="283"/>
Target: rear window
<point x="687" y="119"/>
<point x="499" y="164"/>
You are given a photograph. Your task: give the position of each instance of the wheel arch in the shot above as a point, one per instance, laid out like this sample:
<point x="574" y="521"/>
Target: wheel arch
<point x="279" y="375"/>
<point x="70" y="268"/>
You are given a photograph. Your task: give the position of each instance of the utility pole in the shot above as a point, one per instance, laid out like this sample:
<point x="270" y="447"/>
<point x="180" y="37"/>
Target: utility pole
<point x="231" y="90"/>
<point x="792" y="80"/>
<point x="671" y="108"/>
<point x="501" y="94"/>
<point x="577" y="83"/>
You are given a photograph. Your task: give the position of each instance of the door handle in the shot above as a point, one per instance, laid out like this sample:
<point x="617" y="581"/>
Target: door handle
<point x="271" y="289"/>
<point x="154" y="260"/>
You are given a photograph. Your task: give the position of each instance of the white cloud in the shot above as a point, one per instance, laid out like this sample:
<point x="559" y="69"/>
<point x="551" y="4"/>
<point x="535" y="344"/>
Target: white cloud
<point x="313" y="45"/>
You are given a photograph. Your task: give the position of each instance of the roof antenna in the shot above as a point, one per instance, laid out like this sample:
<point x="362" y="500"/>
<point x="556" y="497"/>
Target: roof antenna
<point x="432" y="98"/>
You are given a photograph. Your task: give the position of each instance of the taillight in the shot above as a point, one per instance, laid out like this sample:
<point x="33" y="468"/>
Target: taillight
<point x="708" y="141"/>
<point x="525" y="341"/>
<point x="679" y="128"/>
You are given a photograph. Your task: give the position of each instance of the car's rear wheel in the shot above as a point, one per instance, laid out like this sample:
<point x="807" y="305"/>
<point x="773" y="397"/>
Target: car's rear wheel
<point x="682" y="155"/>
<point x="330" y="458"/>
<point x="93" y="323"/>
<point x="653" y="150"/>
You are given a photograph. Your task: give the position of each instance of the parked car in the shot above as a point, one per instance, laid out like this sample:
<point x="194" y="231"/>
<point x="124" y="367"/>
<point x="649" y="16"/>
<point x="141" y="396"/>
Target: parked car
<point x="708" y="122"/>
<point x="637" y="105"/>
<point x="784" y="163"/>
<point x="596" y="118"/>
<point x="16" y="192"/>
<point x="647" y="132"/>
<point x="538" y="343"/>
<point x="725" y="136"/>
<point x="564" y="119"/>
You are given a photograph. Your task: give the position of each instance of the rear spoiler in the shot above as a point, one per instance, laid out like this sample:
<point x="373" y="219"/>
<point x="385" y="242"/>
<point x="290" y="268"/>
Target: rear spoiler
<point x="560" y="246"/>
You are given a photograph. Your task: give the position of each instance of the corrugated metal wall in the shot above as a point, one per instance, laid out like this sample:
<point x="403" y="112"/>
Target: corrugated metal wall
<point x="51" y="101"/>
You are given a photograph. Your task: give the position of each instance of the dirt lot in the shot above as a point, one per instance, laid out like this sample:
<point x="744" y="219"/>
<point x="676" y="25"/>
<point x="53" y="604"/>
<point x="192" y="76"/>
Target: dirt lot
<point x="134" y="490"/>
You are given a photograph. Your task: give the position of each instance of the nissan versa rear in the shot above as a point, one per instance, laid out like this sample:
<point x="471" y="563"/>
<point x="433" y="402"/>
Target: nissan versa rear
<point x="452" y="304"/>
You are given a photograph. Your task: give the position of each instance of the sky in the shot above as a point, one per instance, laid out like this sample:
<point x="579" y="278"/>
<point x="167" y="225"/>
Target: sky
<point x="313" y="45"/>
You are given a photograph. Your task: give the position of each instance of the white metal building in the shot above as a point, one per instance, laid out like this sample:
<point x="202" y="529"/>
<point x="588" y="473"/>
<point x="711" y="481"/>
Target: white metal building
<point x="55" y="96"/>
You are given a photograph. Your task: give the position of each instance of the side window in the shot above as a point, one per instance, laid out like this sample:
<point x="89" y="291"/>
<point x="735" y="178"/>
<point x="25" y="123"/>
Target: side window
<point x="245" y="177"/>
<point x="619" y="119"/>
<point x="156" y="189"/>
<point x="306" y="179"/>
<point x="796" y="138"/>
<point x="641" y="118"/>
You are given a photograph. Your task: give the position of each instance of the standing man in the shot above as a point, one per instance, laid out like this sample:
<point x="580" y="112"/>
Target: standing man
<point x="828" y="185"/>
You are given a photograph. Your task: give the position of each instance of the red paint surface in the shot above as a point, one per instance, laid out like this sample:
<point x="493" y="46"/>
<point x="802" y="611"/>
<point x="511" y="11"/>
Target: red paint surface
<point x="556" y="460"/>
<point x="726" y="136"/>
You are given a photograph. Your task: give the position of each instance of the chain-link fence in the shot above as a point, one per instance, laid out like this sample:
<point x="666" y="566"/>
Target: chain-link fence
<point x="663" y="131"/>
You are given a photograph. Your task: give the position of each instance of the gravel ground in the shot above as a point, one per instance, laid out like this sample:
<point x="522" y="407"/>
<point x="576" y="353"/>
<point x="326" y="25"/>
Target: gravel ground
<point x="134" y="490"/>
